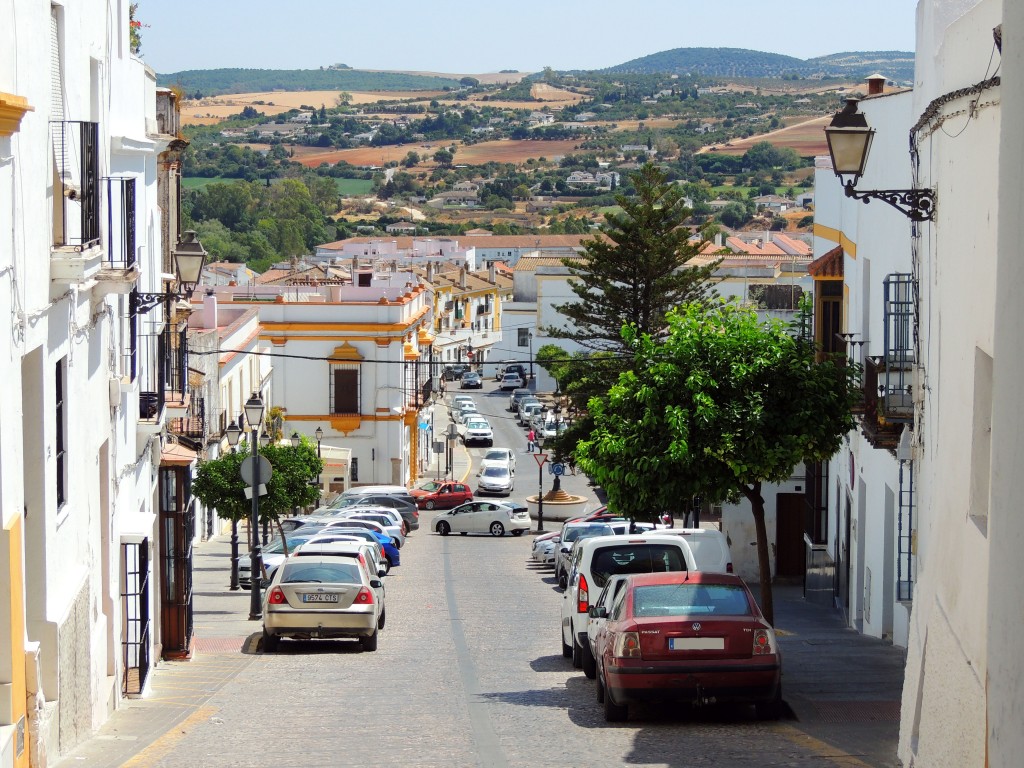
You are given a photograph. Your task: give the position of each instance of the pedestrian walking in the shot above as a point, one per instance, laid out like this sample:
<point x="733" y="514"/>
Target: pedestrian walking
<point x="530" y="437"/>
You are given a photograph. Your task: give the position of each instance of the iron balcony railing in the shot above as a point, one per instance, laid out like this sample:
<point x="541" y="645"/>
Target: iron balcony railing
<point x="120" y="208"/>
<point x="76" y="183"/>
<point x="851" y="350"/>
<point x="163" y="371"/>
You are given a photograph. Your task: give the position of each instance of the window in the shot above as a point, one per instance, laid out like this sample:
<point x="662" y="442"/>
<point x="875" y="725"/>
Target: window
<point x="60" y="417"/>
<point x="524" y="337"/>
<point x="344" y="389"/>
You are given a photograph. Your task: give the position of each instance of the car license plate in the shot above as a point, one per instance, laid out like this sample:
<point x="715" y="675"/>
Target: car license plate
<point x="319" y="597"/>
<point x="696" y="643"/>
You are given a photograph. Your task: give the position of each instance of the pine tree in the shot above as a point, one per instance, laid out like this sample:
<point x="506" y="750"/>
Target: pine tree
<point x="638" y="271"/>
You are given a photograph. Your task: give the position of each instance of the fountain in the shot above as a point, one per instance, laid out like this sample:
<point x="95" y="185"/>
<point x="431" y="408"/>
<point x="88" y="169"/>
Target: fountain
<point x="558" y="505"/>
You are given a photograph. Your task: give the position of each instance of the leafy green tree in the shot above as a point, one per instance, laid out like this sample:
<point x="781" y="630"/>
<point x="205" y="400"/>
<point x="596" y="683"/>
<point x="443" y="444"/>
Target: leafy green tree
<point x="638" y="271"/>
<point x="717" y="406"/>
<point x="443" y="157"/>
<point x="411" y="159"/>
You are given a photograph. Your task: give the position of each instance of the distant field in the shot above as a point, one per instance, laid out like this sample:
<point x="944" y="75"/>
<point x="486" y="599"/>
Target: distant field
<point x="807" y="138"/>
<point x="216" y="108"/>
<point x="353" y="187"/>
<point x="502" y="151"/>
<point x="198" y="182"/>
<point x="547" y="92"/>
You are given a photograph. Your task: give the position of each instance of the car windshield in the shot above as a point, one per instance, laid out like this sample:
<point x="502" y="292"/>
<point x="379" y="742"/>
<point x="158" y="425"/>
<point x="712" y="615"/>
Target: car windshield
<point x="690" y="600"/>
<point x="478" y="425"/>
<point x="277" y="545"/>
<point x="430" y="487"/>
<point x="495" y="472"/>
<point x="585" y="531"/>
<point x="635" y="558"/>
<point x="496" y="456"/>
<point x="298" y="572"/>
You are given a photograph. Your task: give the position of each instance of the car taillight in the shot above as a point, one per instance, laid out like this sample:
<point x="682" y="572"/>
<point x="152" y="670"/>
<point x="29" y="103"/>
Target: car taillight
<point x="364" y="596"/>
<point x="583" y="596"/>
<point x="416" y="514"/>
<point x="362" y="560"/>
<point x="627" y="646"/>
<point x="276" y="597"/>
<point x="764" y="644"/>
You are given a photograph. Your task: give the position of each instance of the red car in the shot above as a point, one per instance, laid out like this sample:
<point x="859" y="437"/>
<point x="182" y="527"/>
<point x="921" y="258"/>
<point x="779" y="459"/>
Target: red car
<point x="441" y="494"/>
<point x="686" y="637"/>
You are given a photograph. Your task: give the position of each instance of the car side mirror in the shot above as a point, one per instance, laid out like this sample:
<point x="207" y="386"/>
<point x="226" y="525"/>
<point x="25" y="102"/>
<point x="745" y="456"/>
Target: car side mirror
<point x="381" y="572"/>
<point x="601" y="613"/>
<point x="592" y="612"/>
<point x="376" y="583"/>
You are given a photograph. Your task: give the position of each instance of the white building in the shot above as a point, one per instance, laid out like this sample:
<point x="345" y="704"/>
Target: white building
<point x="93" y="489"/>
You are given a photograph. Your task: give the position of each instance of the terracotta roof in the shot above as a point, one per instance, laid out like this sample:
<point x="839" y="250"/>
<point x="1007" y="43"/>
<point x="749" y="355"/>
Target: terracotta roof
<point x="492" y="241"/>
<point x="827" y="265"/>
<point x="177" y="455"/>
<point x="791" y="245"/>
<point x="530" y="263"/>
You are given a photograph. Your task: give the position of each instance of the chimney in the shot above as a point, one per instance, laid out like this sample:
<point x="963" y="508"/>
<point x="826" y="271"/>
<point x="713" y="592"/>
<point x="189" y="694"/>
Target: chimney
<point x="430" y="272"/>
<point x="210" y="310"/>
<point x="492" y="273"/>
<point x="767" y="236"/>
<point x="876" y="84"/>
<point x="462" y="278"/>
<point x="718" y="239"/>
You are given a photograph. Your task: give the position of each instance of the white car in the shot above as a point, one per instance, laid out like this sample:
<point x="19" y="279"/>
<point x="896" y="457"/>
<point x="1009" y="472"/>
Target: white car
<point x="511" y="381"/>
<point x="459" y="399"/>
<point x="477" y="431"/>
<point x="389" y="526"/>
<point x="597" y="559"/>
<point x="496" y="480"/>
<point x="482" y="517"/>
<point x="469" y="416"/>
<point x="527" y="410"/>
<point x="710" y="547"/>
<point x="544" y="547"/>
<point x="499" y="457"/>
<point x="357" y="549"/>
<point x="393" y="514"/>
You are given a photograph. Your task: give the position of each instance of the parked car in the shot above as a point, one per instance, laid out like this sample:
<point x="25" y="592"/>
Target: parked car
<point x="393" y="516"/>
<point x="571" y="532"/>
<point x="367" y="553"/>
<point x="312" y="529"/>
<point x="392" y="528"/>
<point x="598" y="615"/>
<point x="391" y="552"/>
<point x="471" y="380"/>
<point x="323" y="596"/>
<point x="463" y="407"/>
<point x="482" y="517"/>
<point x="524" y="401"/>
<point x="499" y="457"/>
<point x="458" y="399"/>
<point x="477" y="431"/>
<point x="496" y="480"/>
<point x="454" y="371"/>
<point x="594" y="561"/>
<point x="544" y="547"/>
<point x="511" y="381"/>
<point x="273" y="555"/>
<point x="528" y="409"/>
<point x="707" y="622"/>
<point x="499" y="370"/>
<point x="710" y="548"/>
<point x="442" y="494"/>
<point x="523" y="369"/>
<point x="516" y="396"/>
<point x="402" y="503"/>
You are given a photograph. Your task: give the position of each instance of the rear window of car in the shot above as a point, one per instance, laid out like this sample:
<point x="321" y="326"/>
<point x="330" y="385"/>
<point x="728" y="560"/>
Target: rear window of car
<point x="326" y="573"/>
<point x="690" y="600"/>
<point x="635" y="558"/>
<point x="495" y="472"/>
<point x="585" y="531"/>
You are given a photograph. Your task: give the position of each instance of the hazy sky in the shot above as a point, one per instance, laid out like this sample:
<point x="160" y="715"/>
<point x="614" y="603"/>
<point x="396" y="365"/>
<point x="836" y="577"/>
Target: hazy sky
<point x="476" y="36"/>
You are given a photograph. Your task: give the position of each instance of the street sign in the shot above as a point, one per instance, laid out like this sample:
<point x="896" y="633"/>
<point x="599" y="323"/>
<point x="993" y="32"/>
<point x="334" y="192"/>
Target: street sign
<point x="557" y="469"/>
<point x="248" y="491"/>
<point x="540" y="458"/>
<point x="248" y="469"/>
<point x="439" y="446"/>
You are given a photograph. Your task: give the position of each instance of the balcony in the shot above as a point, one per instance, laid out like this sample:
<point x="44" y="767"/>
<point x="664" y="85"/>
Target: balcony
<point x="77" y="255"/>
<point x="850" y="350"/>
<point x="119" y="272"/>
<point x="163" y="391"/>
<point x="879" y="430"/>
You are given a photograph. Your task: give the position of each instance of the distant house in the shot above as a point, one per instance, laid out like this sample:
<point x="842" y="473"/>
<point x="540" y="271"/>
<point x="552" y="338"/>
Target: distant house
<point x="805" y="199"/>
<point x="542" y="118"/>
<point x="302" y="117"/>
<point x="580" y="178"/>
<point x="772" y="203"/>
<point x="718" y="204"/>
<point x="401" y="227"/>
<point x="704" y="128"/>
<point x="582" y="117"/>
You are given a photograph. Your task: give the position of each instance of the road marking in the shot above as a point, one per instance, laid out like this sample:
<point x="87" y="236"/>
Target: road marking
<point x="818" y="747"/>
<point x="489" y="748"/>
<point x="163" y="745"/>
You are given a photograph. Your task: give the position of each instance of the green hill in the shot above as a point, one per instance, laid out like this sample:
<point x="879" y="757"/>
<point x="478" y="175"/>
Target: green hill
<point x="741" y="62"/>
<point x="213" y="82"/>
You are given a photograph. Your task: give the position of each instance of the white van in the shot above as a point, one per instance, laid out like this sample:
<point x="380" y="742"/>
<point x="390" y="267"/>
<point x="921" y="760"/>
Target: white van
<point x="710" y="547"/>
<point x="597" y="559"/>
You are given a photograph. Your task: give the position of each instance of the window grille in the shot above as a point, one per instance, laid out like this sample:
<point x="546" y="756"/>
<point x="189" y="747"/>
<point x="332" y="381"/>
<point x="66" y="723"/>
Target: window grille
<point x="345" y="388"/>
<point x="896" y="372"/>
<point x="135" y="629"/>
<point x="906" y="558"/>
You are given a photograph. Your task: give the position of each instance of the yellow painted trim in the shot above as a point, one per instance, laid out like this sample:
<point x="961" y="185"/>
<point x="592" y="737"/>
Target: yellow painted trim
<point x="12" y="109"/>
<point x="346" y="353"/>
<point x="838" y="237"/>
<point x="402" y="327"/>
<point x="832" y="278"/>
<point x="15" y="580"/>
<point x="279" y="340"/>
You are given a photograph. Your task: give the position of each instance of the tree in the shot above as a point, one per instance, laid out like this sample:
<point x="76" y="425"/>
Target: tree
<point x="638" y="271"/>
<point x="443" y="157"/>
<point x="720" y="404"/>
<point x="469" y="82"/>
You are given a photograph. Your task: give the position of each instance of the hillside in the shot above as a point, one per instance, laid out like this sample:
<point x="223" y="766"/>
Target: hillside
<point x="740" y="62"/>
<point x="213" y="82"/>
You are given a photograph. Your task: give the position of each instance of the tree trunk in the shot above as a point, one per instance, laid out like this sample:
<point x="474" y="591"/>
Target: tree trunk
<point x="764" y="565"/>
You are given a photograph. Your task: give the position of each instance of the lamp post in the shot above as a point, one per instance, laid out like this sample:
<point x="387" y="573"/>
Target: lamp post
<point x="849" y="141"/>
<point x="530" y="336"/>
<point x="319" y="436"/>
<point x="189" y="259"/>
<point x="254" y="415"/>
<point x="234" y="432"/>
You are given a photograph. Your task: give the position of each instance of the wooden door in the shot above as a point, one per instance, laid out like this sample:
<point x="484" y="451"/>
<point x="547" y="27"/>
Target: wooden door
<point x="789" y="535"/>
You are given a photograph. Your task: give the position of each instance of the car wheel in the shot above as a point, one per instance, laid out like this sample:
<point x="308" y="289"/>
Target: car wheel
<point x="443" y="528"/>
<point x="614" y="713"/>
<point x="497" y="529"/>
<point x="577" y="653"/>
<point x="770" y="710"/>
<point x="270" y="642"/>
<point x="517" y="532"/>
<point x="589" y="662"/>
<point x="387" y="565"/>
<point x="369" y="643"/>
<point x="429" y="504"/>
<point x="563" y="579"/>
<point x="599" y="689"/>
<point x="383" y="618"/>
<point x="566" y="650"/>
<point x="463" y="533"/>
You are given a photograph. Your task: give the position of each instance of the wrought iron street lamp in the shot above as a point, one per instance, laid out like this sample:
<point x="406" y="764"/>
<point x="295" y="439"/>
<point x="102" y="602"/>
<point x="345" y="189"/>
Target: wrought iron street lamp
<point x="234" y="433"/>
<point x="254" y="415"/>
<point x="849" y="141"/>
<point x="189" y="259"/>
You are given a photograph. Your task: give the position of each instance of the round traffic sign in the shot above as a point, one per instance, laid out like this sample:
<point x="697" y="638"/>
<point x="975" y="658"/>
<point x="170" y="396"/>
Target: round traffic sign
<point x="558" y="468"/>
<point x="248" y="469"/>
